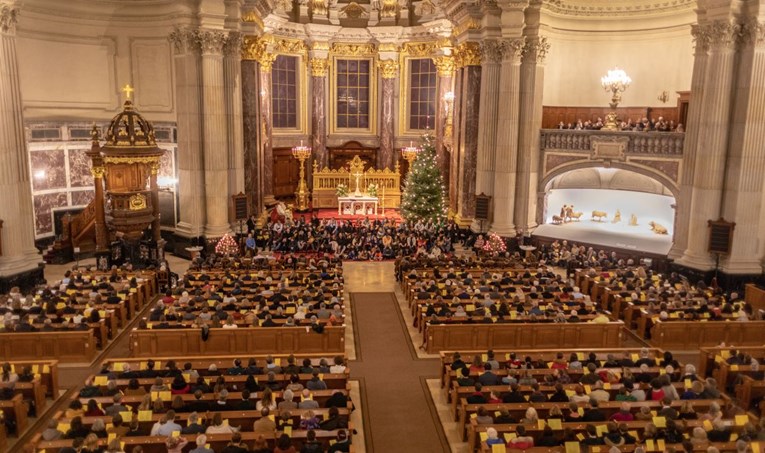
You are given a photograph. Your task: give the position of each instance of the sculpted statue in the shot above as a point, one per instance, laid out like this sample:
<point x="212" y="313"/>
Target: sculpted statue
<point x="657" y="228"/>
<point x="617" y="217"/>
<point x="556" y="219"/>
<point x="633" y="220"/>
<point x="600" y="215"/>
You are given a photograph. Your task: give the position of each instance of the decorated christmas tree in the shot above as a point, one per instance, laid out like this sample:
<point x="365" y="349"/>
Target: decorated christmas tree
<point x="227" y="246"/>
<point x="423" y="197"/>
<point x="494" y="244"/>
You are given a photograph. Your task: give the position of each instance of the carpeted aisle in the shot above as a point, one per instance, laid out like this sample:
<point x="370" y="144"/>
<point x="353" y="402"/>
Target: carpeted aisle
<point x="399" y="415"/>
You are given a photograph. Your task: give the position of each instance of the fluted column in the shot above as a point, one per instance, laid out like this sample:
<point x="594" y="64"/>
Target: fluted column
<point x="692" y="131"/>
<point x="191" y="181"/>
<point x="19" y="255"/>
<point x="232" y="77"/>
<point x="266" y="131"/>
<point x="319" y="65"/>
<point x="743" y="197"/>
<point x="445" y="66"/>
<point x="491" y="57"/>
<point x="532" y="85"/>
<point x="389" y="76"/>
<point x="215" y="133"/>
<point x="470" y="57"/>
<point x="712" y="145"/>
<point x="507" y="137"/>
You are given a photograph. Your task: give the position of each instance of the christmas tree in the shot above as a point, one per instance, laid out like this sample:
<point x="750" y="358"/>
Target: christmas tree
<point x="494" y="243"/>
<point x="227" y="246"/>
<point x="423" y="197"/>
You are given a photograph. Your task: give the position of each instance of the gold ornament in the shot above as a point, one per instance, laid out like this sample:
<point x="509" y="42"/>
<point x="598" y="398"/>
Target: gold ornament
<point x="319" y="66"/>
<point x="353" y="49"/>
<point x="98" y="172"/>
<point x="388" y="68"/>
<point x="469" y="54"/>
<point x="445" y="65"/>
<point x="137" y="202"/>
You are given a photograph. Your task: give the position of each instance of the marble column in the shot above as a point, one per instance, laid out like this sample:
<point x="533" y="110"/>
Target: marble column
<point x="266" y="130"/>
<point x="532" y="86"/>
<point x="215" y="133"/>
<point x="507" y="137"/>
<point x="445" y="67"/>
<point x="470" y="56"/>
<point x="491" y="57"/>
<point x="692" y="131"/>
<point x="711" y="157"/>
<point x="319" y="68"/>
<point x="188" y="110"/>
<point x="20" y="259"/>
<point x="743" y="196"/>
<point x="251" y="135"/>
<point x="454" y="165"/>
<point x="389" y="76"/>
<point x="232" y="82"/>
<point x="156" y="229"/>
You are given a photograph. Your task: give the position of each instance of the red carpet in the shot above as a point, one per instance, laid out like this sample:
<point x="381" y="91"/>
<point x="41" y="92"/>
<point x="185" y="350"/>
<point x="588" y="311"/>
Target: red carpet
<point x="330" y="213"/>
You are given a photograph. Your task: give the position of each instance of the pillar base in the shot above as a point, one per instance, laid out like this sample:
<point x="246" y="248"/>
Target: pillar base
<point x="727" y="280"/>
<point x="701" y="263"/>
<point x="25" y="280"/>
<point x="504" y="230"/>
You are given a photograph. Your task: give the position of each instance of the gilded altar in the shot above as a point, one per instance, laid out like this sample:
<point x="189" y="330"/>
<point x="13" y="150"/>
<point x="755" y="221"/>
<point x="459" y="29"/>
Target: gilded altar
<point x="325" y="182"/>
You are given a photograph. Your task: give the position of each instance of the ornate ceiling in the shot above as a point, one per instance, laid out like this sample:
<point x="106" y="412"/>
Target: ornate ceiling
<point x="616" y="8"/>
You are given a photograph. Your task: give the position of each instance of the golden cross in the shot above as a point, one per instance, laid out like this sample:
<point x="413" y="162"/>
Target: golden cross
<point x="128" y="90"/>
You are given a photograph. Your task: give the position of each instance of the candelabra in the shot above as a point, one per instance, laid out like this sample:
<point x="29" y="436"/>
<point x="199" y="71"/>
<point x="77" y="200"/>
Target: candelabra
<point x="616" y="81"/>
<point x="449" y="104"/>
<point x="302" y="153"/>
<point x="410" y="153"/>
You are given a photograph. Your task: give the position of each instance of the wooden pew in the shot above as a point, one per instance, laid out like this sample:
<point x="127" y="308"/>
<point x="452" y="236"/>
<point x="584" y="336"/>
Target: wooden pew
<point x="709" y="356"/>
<point x="688" y="335"/>
<point x="48" y="371"/>
<point x="523" y="335"/>
<point x="222" y="362"/>
<point x="66" y="347"/>
<point x="180" y="342"/>
<point x="750" y="391"/>
<point x="16" y="409"/>
<point x="721" y="446"/>
<point x="333" y="381"/>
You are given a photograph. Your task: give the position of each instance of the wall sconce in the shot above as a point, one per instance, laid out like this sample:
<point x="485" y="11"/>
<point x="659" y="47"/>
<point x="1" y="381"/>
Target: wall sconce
<point x="663" y="97"/>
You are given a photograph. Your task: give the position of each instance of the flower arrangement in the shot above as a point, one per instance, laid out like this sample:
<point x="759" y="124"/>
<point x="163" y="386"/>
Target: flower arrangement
<point x="342" y="190"/>
<point x="494" y="243"/>
<point x="372" y="189"/>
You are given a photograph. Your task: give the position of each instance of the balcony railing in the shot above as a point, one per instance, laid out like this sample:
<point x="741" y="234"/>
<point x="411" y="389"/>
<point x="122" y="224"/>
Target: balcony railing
<point x="647" y="143"/>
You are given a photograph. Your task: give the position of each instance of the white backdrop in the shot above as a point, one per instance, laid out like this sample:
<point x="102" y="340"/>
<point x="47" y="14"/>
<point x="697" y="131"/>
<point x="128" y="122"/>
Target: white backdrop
<point x="647" y="207"/>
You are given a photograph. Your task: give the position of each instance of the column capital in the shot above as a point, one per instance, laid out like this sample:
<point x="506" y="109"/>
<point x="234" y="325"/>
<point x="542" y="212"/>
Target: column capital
<point x="388" y="68"/>
<point x="535" y="50"/>
<point x="719" y="34"/>
<point x="469" y="54"/>
<point x="700" y="38"/>
<point x="260" y="50"/>
<point x="491" y="51"/>
<point x="233" y="47"/>
<point x="512" y="49"/>
<point x="211" y="42"/>
<point x="319" y="66"/>
<point x="753" y="33"/>
<point x="9" y="16"/>
<point x="445" y="65"/>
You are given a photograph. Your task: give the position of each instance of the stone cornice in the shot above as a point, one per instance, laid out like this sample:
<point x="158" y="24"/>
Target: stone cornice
<point x="616" y="8"/>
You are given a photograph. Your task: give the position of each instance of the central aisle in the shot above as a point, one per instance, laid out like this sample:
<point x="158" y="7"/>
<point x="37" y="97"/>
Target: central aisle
<point x="398" y="409"/>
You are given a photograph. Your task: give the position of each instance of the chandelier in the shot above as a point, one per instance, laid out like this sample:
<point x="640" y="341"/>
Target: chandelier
<point x="410" y="153"/>
<point x="616" y="81"/>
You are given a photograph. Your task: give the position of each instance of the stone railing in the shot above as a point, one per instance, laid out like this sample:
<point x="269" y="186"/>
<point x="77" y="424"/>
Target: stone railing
<point x="651" y="143"/>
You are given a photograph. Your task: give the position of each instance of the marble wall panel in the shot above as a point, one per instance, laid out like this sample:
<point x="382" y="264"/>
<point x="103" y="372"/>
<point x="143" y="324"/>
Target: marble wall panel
<point x="43" y="207"/>
<point x="79" y="169"/>
<point x="82" y="197"/>
<point x="48" y="169"/>
<point x="167" y="165"/>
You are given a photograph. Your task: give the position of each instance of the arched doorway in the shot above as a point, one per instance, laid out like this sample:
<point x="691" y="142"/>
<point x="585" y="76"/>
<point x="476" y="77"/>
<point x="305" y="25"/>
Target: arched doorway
<point x="612" y="206"/>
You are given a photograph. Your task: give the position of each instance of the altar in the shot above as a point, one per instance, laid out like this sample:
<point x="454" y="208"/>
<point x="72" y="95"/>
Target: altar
<point x="326" y="181"/>
<point x="357" y="205"/>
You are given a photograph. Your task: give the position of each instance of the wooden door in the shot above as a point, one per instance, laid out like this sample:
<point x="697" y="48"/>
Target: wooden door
<point x="286" y="173"/>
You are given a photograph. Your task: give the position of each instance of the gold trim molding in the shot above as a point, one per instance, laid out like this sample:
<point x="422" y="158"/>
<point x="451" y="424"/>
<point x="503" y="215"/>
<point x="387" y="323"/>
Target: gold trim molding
<point x="353" y="49"/>
<point x="446" y="65"/>
<point x="98" y="172"/>
<point x="419" y="49"/>
<point x="468" y="54"/>
<point x="131" y="160"/>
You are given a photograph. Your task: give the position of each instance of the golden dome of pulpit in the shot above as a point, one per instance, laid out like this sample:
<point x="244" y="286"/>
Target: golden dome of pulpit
<point x="128" y="163"/>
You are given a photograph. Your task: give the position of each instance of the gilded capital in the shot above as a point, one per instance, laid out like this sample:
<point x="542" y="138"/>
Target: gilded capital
<point x="98" y="172"/>
<point x="267" y="62"/>
<point x="389" y="8"/>
<point x="469" y="54"/>
<point x="319" y="67"/>
<point x="388" y="68"/>
<point x="154" y="166"/>
<point x="445" y="65"/>
<point x="318" y="7"/>
<point x="9" y="16"/>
